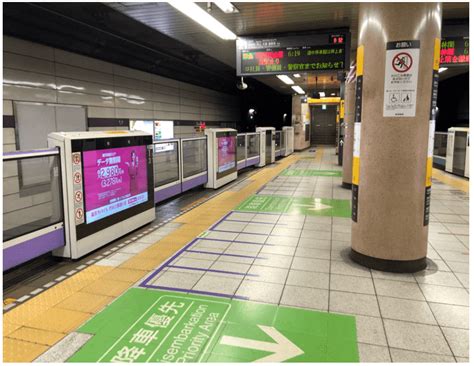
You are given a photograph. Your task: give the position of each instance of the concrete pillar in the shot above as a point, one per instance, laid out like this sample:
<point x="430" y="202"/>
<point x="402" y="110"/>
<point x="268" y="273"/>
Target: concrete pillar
<point x="349" y="105"/>
<point x="396" y="88"/>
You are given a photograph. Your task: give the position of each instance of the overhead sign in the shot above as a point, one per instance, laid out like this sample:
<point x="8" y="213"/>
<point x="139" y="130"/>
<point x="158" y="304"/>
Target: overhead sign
<point x="160" y="326"/>
<point x="281" y="54"/>
<point x="454" y="51"/>
<point x="401" y="78"/>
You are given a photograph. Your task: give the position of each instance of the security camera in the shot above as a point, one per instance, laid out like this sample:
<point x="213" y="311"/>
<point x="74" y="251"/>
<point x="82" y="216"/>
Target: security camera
<point x="242" y="85"/>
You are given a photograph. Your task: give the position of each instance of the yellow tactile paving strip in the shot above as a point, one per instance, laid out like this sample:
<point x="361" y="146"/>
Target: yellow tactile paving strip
<point x="32" y="328"/>
<point x="451" y="180"/>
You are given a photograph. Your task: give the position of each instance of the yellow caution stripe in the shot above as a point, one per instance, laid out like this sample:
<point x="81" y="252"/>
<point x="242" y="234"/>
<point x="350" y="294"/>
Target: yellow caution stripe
<point x="437" y="48"/>
<point x="355" y="170"/>
<point x="360" y="61"/>
<point x="429" y="171"/>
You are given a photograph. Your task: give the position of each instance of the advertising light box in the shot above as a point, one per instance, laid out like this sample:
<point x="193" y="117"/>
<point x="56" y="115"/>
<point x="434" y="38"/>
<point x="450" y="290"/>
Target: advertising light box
<point x="142" y="125"/>
<point x="221" y="156"/>
<point x="164" y="130"/>
<point x="226" y="153"/>
<point x="114" y="180"/>
<point x="117" y="180"/>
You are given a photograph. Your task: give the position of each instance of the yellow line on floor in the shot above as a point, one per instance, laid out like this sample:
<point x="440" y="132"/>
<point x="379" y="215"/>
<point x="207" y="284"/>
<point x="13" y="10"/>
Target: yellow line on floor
<point x="451" y="180"/>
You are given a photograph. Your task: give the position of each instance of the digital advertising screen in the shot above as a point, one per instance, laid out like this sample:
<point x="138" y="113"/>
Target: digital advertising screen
<point x="115" y="179"/>
<point x="226" y="153"/>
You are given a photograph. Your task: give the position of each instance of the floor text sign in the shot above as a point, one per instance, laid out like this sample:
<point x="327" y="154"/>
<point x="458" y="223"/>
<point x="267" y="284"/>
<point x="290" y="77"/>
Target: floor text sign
<point x="160" y="326"/>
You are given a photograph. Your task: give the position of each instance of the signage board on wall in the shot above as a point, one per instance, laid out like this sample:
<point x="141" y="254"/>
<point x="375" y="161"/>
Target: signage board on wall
<point x="401" y="78"/>
<point x="164" y="130"/>
<point x="141" y="125"/>
<point x="283" y="54"/>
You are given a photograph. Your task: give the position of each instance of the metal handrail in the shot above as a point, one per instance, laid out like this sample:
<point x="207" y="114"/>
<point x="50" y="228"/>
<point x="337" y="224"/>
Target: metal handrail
<point x="30" y="154"/>
<point x="193" y="138"/>
<point x="166" y="141"/>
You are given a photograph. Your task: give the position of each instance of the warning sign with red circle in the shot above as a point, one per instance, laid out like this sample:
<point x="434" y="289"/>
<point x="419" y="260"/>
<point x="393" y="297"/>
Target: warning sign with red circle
<point x="402" y="62"/>
<point x="401" y="78"/>
<point x="78" y="196"/>
<point x="76" y="158"/>
<point x="77" y="178"/>
<point x="79" y="214"/>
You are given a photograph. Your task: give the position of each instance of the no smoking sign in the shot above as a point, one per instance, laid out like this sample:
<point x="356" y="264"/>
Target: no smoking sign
<point x="401" y="78"/>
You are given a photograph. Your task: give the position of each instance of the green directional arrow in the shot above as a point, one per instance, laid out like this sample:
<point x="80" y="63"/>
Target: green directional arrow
<point x="296" y="205"/>
<point x="311" y="173"/>
<point x="163" y="326"/>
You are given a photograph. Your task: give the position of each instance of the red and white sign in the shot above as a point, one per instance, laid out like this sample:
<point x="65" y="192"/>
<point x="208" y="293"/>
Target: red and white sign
<point x="78" y="196"/>
<point x="79" y="213"/>
<point x="76" y="158"/>
<point x="402" y="62"/>
<point x="401" y="79"/>
<point x="77" y="177"/>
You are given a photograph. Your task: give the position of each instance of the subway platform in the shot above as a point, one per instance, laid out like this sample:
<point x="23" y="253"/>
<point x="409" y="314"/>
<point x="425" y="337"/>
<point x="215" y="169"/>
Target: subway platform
<point x="259" y="272"/>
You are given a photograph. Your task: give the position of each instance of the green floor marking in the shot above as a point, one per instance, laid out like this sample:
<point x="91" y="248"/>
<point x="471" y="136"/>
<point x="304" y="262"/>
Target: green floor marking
<point x="297" y="205"/>
<point x="159" y="326"/>
<point x="311" y="173"/>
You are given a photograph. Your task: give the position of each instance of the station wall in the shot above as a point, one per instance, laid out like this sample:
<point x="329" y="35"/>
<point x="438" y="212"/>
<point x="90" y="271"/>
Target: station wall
<point x="39" y="74"/>
<point x="36" y="73"/>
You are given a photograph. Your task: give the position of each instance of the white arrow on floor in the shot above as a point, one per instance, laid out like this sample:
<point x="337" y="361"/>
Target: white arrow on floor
<point x="315" y="207"/>
<point x="282" y="350"/>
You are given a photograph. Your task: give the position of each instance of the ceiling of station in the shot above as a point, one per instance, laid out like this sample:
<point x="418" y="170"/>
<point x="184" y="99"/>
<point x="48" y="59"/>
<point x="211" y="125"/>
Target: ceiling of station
<point x="260" y="18"/>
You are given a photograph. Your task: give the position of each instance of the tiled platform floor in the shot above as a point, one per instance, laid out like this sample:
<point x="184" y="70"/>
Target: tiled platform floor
<point x="302" y="261"/>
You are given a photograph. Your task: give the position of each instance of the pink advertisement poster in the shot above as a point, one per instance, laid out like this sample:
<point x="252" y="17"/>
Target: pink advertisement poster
<point x="114" y="180"/>
<point x="226" y="151"/>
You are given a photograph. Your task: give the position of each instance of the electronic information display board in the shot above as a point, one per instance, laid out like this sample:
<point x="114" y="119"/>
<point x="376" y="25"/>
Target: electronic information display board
<point x="454" y="51"/>
<point x="281" y="54"/>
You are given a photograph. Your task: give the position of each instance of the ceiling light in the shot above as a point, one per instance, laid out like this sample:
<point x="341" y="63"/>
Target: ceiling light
<point x="297" y="75"/>
<point x="322" y="94"/>
<point x="441" y="69"/>
<point x="298" y="89"/>
<point x="285" y="79"/>
<point x="226" y="6"/>
<point x="200" y="16"/>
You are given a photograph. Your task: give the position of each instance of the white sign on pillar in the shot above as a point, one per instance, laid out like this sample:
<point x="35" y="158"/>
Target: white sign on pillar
<point x="356" y="149"/>
<point x="401" y="78"/>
